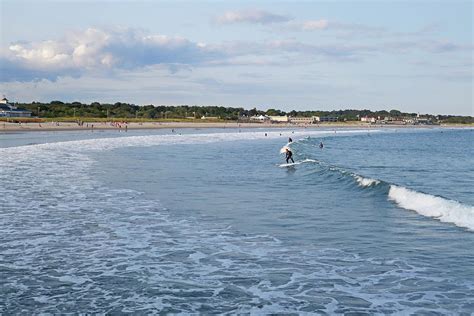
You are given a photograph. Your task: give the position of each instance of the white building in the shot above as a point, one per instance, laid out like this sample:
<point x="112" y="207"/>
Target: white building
<point x="9" y="110"/>
<point x="279" y="119"/>
<point x="304" y="120"/>
<point x="260" y="118"/>
<point x="368" y="119"/>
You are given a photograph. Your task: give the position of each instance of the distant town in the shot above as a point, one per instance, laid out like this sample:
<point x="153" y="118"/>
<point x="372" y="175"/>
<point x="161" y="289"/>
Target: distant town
<point x="129" y="112"/>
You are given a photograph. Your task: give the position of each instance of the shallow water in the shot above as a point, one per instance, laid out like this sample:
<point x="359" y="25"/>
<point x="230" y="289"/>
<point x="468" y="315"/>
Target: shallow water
<point x="207" y="221"/>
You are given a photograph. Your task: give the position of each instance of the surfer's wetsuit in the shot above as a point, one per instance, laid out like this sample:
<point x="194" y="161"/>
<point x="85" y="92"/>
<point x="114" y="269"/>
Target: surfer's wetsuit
<point x="289" y="156"/>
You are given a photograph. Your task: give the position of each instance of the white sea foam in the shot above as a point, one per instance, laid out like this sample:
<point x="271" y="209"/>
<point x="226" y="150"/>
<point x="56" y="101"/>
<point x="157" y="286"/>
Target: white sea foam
<point x="433" y="206"/>
<point x="99" y="144"/>
<point x="365" y="182"/>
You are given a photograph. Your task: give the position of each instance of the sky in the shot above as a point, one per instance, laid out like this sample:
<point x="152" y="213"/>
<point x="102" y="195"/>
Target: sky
<point x="415" y="56"/>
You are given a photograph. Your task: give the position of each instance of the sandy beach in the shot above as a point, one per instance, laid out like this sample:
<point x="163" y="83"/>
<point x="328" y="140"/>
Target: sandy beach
<point x="65" y="126"/>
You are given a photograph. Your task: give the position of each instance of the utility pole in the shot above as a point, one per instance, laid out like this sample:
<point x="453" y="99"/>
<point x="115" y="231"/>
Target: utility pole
<point x="38" y="111"/>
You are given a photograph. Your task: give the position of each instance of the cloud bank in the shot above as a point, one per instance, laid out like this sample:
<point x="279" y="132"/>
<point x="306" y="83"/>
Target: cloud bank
<point x="98" y="50"/>
<point x="108" y="51"/>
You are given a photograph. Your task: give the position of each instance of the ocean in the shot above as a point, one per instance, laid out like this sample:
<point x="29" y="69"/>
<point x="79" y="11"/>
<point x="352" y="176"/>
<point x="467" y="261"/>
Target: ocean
<point x="210" y="221"/>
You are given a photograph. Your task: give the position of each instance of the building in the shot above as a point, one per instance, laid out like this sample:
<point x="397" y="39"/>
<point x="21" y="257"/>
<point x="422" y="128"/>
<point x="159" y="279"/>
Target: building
<point x="423" y="121"/>
<point x="396" y="122"/>
<point x="279" y="119"/>
<point x="304" y="120"/>
<point x="328" y="119"/>
<point x="368" y="119"/>
<point x="9" y="110"/>
<point x="409" y="121"/>
<point x="259" y="118"/>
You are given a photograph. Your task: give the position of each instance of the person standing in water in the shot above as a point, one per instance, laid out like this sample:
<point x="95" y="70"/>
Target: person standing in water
<point x="321" y="145"/>
<point x="289" y="155"/>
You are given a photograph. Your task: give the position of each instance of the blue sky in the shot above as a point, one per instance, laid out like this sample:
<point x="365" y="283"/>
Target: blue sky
<point x="415" y="56"/>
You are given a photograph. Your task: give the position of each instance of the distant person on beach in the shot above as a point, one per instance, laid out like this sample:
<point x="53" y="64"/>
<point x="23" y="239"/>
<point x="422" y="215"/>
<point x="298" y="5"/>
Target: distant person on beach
<point x="289" y="155"/>
<point x="321" y="145"/>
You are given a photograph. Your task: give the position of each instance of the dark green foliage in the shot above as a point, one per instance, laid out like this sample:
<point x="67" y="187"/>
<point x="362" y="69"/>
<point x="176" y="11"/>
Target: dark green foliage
<point x="121" y="110"/>
<point x="456" y="119"/>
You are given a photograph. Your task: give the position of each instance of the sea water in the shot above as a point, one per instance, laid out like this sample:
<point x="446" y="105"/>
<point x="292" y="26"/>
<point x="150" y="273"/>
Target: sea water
<point x="378" y="221"/>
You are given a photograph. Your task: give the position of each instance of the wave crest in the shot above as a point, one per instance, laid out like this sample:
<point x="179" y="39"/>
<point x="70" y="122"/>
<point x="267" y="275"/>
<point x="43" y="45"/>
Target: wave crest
<point x="445" y="210"/>
<point x="366" y="182"/>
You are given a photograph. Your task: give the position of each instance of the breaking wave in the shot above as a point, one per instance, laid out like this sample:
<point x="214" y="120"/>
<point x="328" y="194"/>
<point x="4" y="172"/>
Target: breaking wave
<point x="433" y="206"/>
<point x="366" y="182"/>
<point x="440" y="208"/>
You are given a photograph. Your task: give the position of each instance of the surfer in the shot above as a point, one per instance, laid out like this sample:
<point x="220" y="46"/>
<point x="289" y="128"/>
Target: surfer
<point x="290" y="140"/>
<point x="321" y="145"/>
<point x="289" y="155"/>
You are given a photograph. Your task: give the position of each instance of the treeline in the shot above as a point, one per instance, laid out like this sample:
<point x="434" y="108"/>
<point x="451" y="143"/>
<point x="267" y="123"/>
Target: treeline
<point x="126" y="110"/>
<point x="121" y="110"/>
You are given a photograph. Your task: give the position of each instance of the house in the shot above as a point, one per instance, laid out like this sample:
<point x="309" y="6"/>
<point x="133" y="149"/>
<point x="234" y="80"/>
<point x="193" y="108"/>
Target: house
<point x="9" y="110"/>
<point x="368" y="119"/>
<point x="260" y="118"/>
<point x="423" y="121"/>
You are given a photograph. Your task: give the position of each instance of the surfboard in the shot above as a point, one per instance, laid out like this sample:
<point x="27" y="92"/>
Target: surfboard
<point x="283" y="149"/>
<point x="298" y="162"/>
<point x="286" y="165"/>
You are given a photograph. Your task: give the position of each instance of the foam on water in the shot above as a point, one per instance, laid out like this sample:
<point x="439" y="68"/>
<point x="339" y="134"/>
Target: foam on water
<point x="433" y="206"/>
<point x="156" y="140"/>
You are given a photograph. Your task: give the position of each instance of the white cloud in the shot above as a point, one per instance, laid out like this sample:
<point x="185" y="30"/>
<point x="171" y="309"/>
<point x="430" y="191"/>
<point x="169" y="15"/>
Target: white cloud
<point x="96" y="50"/>
<point x="340" y="28"/>
<point x="251" y="16"/>
<point x="109" y="51"/>
<point x="315" y="25"/>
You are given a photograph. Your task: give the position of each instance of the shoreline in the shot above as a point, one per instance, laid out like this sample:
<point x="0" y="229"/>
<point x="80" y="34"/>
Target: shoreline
<point x="6" y="127"/>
